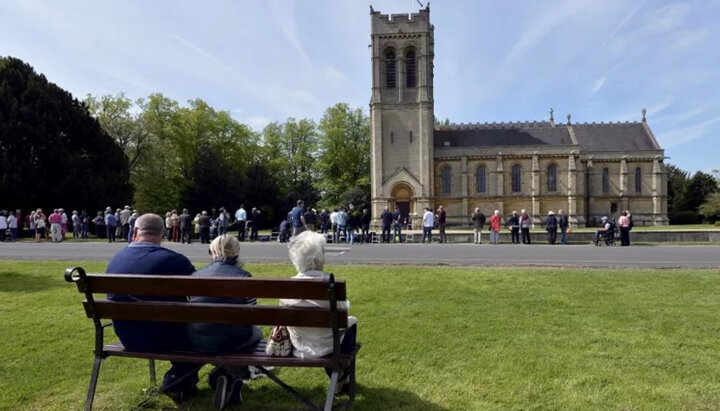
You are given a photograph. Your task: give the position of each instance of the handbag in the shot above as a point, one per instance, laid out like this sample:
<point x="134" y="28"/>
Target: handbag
<point x="569" y="229"/>
<point x="279" y="344"/>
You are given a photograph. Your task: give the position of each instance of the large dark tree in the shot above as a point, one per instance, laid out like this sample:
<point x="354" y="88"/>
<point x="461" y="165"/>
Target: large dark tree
<point x="700" y="186"/>
<point x="52" y="152"/>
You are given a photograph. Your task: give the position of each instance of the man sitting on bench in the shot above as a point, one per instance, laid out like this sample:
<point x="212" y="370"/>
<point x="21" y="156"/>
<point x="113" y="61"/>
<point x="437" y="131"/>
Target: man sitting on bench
<point x="145" y="255"/>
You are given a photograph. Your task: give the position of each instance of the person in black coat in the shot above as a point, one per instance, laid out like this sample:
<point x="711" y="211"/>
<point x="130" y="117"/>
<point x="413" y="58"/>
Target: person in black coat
<point x="551" y="225"/>
<point x="386" y="219"/>
<point x="514" y="224"/>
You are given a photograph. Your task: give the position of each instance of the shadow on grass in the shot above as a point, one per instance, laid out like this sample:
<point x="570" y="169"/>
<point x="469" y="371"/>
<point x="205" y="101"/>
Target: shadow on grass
<point x="11" y="281"/>
<point x="274" y="398"/>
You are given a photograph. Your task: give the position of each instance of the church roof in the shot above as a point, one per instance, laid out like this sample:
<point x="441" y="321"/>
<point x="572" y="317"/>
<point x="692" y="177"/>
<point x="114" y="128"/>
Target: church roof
<point x="589" y="137"/>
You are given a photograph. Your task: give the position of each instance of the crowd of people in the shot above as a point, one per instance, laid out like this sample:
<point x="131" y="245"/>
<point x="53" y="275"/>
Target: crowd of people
<point x="146" y="256"/>
<point x="343" y="224"/>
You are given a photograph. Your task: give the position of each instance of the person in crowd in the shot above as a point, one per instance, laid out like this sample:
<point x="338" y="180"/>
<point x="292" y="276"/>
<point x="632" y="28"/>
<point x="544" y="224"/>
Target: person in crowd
<point x="63" y="223"/>
<point x="365" y="225"/>
<point x="111" y="225"/>
<point x="428" y="223"/>
<point x="31" y="223"/>
<point x="196" y="223"/>
<point x="514" y="224"/>
<point x="145" y="255"/>
<point x="168" y="225"/>
<point x="624" y="224"/>
<point x="551" y="225"/>
<point x="495" y="223"/>
<point x="209" y="338"/>
<point x="175" y="226"/>
<point x="605" y="225"/>
<point x="124" y="222"/>
<point x="478" y="220"/>
<point x="441" y="219"/>
<point x="241" y="221"/>
<point x="353" y="224"/>
<point x="118" y="226"/>
<point x="75" y="218"/>
<point x="55" y="221"/>
<point x="223" y="221"/>
<point x="333" y="225"/>
<point x="131" y="225"/>
<point x="3" y="226"/>
<point x="310" y="219"/>
<point x="631" y="224"/>
<point x="255" y="213"/>
<point x="84" y="224"/>
<point x="397" y="224"/>
<point x="525" y="223"/>
<point x="285" y="230"/>
<point x="40" y="225"/>
<point x="185" y="227"/>
<point x="12" y="222"/>
<point x="297" y="217"/>
<point x="99" y="222"/>
<point x="386" y="219"/>
<point x="204" y="223"/>
<point x="563" y="223"/>
<point x="324" y="221"/>
<point x="20" y="223"/>
<point x="342" y="220"/>
<point x="307" y="253"/>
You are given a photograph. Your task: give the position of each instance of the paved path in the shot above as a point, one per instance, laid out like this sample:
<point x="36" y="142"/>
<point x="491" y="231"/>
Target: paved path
<point x="411" y="254"/>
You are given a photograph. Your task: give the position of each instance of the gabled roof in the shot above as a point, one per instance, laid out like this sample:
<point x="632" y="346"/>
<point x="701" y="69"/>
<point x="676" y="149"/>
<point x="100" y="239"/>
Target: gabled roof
<point x="589" y="137"/>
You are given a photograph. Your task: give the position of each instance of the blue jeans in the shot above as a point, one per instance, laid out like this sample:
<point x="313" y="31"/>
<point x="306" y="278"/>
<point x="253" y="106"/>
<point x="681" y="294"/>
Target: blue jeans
<point x="342" y="232"/>
<point x="563" y="235"/>
<point x="427" y="233"/>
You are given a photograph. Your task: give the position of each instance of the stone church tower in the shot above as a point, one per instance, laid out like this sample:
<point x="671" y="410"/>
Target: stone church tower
<point x="401" y="111"/>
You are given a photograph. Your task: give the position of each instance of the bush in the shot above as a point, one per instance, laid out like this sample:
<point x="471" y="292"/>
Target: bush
<point x="717" y="223"/>
<point x="684" y="217"/>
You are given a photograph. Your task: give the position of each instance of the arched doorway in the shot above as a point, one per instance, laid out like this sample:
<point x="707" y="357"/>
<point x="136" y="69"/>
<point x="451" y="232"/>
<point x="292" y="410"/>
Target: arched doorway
<point x="402" y="197"/>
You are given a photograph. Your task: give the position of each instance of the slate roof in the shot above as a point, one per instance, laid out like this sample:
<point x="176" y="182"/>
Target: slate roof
<point x="590" y="137"/>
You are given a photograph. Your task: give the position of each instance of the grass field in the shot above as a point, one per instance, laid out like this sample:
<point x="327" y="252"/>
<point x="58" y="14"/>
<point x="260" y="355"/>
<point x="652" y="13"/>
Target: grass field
<point x="433" y="339"/>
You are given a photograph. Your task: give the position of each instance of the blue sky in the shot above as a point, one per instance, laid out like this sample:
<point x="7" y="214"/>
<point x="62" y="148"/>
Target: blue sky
<point x="494" y="60"/>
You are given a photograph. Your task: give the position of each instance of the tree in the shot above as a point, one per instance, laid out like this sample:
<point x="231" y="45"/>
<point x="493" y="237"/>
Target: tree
<point x="710" y="209"/>
<point x="677" y="187"/>
<point x="53" y="152"/>
<point x="699" y="187"/>
<point x="344" y="164"/>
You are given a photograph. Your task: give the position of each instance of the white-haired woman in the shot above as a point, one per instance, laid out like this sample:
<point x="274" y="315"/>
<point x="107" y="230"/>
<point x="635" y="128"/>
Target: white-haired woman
<point x="307" y="253"/>
<point x="495" y="222"/>
<point x="220" y="338"/>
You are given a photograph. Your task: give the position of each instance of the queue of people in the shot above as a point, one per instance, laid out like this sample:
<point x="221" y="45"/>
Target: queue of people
<point x="146" y="256"/>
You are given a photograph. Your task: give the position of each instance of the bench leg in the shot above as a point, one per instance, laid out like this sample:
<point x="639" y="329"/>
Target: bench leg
<point x="153" y="378"/>
<point x="331" y="391"/>
<point x="93" y="383"/>
<point x="286" y="387"/>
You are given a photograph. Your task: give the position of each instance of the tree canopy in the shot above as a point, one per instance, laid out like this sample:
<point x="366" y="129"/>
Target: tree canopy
<point x="53" y="152"/>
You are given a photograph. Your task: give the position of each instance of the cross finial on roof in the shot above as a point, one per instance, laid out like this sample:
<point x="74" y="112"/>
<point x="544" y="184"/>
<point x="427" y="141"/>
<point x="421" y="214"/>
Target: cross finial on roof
<point x="551" y="114"/>
<point x="568" y="118"/>
<point x="644" y="112"/>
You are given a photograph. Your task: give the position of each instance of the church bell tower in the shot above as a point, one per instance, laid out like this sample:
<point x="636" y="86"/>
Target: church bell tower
<point x="401" y="111"/>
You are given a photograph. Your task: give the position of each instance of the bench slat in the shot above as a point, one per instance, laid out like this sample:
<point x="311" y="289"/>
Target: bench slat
<point x="213" y="313"/>
<point x="183" y="285"/>
<point x="257" y="357"/>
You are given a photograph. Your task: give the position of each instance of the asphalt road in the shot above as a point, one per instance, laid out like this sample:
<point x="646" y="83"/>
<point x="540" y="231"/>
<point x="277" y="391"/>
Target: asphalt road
<point x="410" y="254"/>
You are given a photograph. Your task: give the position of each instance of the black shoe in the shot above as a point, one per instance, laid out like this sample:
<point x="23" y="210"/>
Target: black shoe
<point x="220" y="399"/>
<point x="235" y="394"/>
<point x="214" y="374"/>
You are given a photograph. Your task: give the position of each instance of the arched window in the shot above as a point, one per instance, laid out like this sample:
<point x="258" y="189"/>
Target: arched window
<point x="552" y="178"/>
<point x="638" y="180"/>
<point x="390" y="72"/>
<point x="411" y="71"/>
<point x="480" y="180"/>
<point x="446" y="180"/>
<point x="516" y="178"/>
<point x="606" y="181"/>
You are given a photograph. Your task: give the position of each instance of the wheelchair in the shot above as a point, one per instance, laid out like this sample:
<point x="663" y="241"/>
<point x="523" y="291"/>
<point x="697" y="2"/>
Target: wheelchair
<point x="607" y="237"/>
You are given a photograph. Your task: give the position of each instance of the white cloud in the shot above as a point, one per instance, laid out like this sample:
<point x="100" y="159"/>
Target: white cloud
<point x="688" y="39"/>
<point x="257" y="123"/>
<point x="667" y="18"/>
<point x="599" y="83"/>
<point x="685" y="135"/>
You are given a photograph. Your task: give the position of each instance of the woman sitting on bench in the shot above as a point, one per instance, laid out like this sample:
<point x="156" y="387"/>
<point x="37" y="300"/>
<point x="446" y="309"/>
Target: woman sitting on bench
<point x="307" y="253"/>
<point x="223" y="338"/>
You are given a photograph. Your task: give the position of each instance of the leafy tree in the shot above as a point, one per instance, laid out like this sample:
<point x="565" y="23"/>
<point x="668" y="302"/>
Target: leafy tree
<point x="699" y="187"/>
<point x="53" y="153"/>
<point x="344" y="164"/>
<point x="677" y="187"/>
<point x="710" y="209"/>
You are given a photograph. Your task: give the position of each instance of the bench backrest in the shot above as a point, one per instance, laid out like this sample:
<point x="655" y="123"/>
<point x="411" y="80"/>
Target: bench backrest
<point x="181" y="286"/>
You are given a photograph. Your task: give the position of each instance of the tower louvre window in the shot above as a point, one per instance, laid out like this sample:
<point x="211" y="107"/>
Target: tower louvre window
<point x="638" y="180"/>
<point x="390" y="74"/>
<point x="411" y="69"/>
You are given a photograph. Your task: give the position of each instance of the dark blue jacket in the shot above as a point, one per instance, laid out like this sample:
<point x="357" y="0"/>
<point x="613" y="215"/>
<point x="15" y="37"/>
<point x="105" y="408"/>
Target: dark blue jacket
<point x="551" y="223"/>
<point x="216" y="338"/>
<point x="149" y="258"/>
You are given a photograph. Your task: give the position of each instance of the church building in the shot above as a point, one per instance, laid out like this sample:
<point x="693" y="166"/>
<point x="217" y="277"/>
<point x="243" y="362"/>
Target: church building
<point x="589" y="170"/>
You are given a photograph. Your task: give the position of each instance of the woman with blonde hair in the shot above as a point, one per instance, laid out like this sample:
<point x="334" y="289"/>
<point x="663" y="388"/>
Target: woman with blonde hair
<point x="222" y="338"/>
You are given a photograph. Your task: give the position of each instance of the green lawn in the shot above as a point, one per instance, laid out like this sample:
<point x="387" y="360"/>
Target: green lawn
<point x="433" y="339"/>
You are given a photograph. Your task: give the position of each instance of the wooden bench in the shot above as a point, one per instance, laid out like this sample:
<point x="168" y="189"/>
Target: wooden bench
<point x="151" y="285"/>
